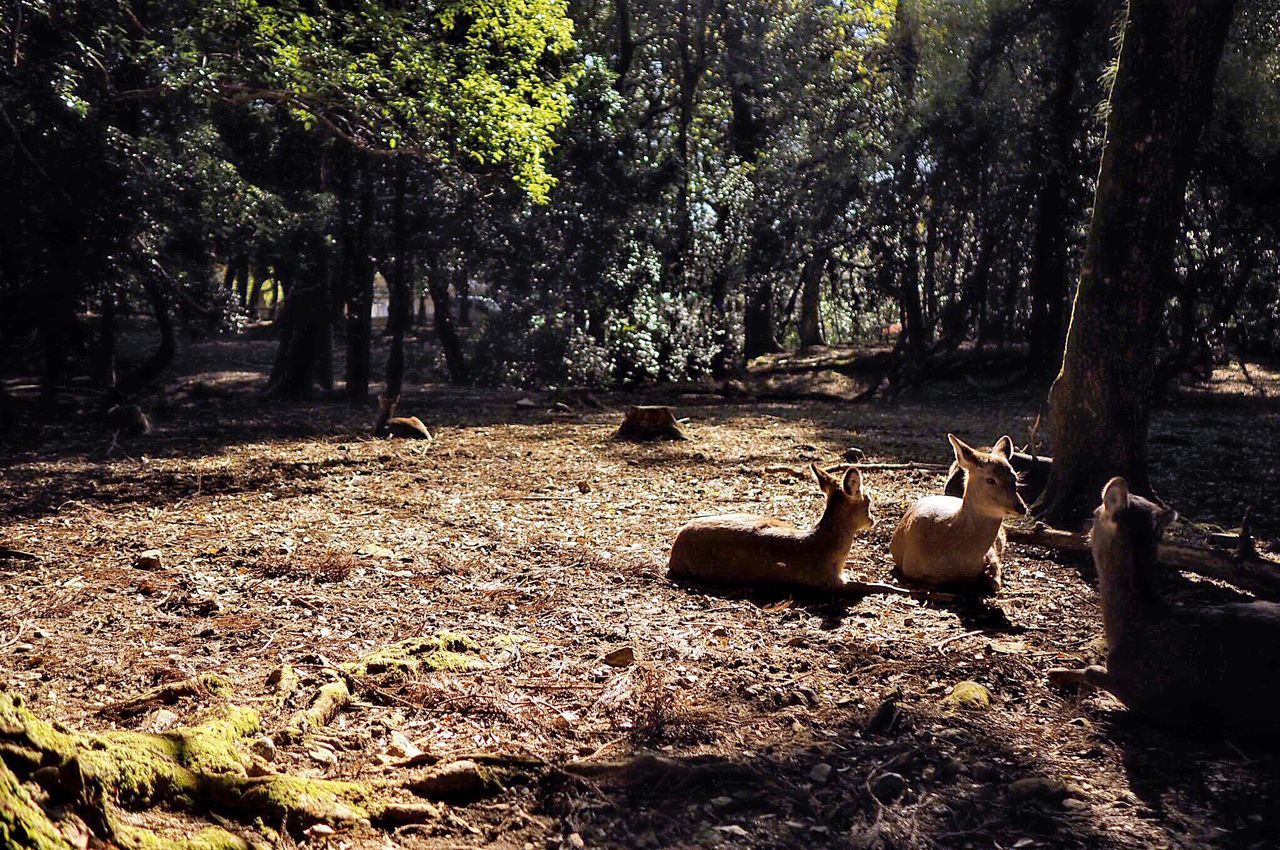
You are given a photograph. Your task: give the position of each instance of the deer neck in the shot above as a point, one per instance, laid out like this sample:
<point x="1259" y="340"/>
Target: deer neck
<point x="975" y="525"/>
<point x="832" y="531"/>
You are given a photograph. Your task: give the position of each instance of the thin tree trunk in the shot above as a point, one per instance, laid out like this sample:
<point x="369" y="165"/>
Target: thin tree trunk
<point x="153" y="367"/>
<point x="1049" y="266"/>
<point x="400" y="287"/>
<point x="1099" y="404"/>
<point x="107" y="338"/>
<point x="446" y="330"/>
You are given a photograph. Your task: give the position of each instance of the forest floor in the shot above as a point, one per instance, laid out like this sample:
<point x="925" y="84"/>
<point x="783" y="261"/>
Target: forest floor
<point x="287" y="534"/>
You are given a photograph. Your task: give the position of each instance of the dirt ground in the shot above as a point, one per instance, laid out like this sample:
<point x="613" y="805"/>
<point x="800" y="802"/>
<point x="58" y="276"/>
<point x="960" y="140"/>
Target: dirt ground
<point x="287" y="534"/>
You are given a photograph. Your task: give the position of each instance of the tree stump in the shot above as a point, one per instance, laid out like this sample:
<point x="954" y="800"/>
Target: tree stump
<point x="650" y="422"/>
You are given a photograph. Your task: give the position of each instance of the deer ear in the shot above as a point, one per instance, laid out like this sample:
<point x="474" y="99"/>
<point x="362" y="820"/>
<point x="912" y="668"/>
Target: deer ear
<point x="1165" y="517"/>
<point x="1003" y="447"/>
<point x="820" y="476"/>
<point x="965" y="455"/>
<point x="853" y="481"/>
<point x="1115" y="496"/>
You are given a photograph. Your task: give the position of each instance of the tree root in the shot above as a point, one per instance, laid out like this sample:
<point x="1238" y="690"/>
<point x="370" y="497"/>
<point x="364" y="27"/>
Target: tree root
<point x="329" y="700"/>
<point x="204" y="685"/>
<point x="201" y="767"/>
<point x="206" y="768"/>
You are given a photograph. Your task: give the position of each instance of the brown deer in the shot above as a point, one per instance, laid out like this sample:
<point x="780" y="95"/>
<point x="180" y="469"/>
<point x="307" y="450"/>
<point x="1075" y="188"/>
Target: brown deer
<point x="751" y="549"/>
<point x="945" y="541"/>
<point x="1212" y="667"/>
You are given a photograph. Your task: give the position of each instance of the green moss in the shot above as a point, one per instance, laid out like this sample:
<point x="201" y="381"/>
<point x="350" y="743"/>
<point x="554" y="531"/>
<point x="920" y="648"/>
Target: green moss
<point x="443" y="651"/>
<point x="210" y="838"/>
<point x="302" y="801"/>
<point x="19" y="726"/>
<point x="970" y="696"/>
<point x="23" y="825"/>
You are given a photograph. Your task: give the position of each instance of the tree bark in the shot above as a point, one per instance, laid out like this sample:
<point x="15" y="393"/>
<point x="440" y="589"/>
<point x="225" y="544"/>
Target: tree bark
<point x="811" y="300"/>
<point x="1049" y="266"/>
<point x="1100" y="402"/>
<point x="446" y="329"/>
<point x="400" y="303"/>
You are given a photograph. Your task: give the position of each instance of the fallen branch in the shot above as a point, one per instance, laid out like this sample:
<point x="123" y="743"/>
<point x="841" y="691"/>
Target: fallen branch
<point x="1253" y="573"/>
<point x="16" y="554"/>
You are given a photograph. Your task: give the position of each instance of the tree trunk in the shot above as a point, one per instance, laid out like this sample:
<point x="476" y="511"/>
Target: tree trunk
<point x="1099" y="404"/>
<point x="915" y="333"/>
<point x="153" y="367"/>
<point x="359" y="270"/>
<point x="400" y="303"/>
<point x="305" y="355"/>
<point x="107" y="338"/>
<point x="1049" y="267"/>
<point x="446" y="330"/>
<point x="811" y="300"/>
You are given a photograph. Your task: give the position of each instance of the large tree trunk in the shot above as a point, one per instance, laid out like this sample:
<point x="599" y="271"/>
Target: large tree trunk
<point x="1049" y="267"/>
<point x="305" y="355"/>
<point x="1099" y="404"/>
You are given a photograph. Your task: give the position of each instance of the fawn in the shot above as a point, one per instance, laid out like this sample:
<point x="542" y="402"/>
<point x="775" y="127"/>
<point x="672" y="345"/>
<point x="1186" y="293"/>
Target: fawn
<point x="1185" y="666"/>
<point x="945" y="541"/>
<point x="751" y="549"/>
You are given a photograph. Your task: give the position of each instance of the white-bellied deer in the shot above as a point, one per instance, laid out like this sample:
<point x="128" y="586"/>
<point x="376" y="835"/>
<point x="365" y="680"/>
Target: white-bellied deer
<point x="1207" y="667"/>
<point x="751" y="549"/>
<point x="945" y="541"/>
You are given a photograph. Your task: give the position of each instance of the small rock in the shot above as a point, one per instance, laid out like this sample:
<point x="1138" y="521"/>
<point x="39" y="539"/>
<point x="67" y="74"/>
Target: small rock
<point x="265" y="747"/>
<point x="821" y="773"/>
<point x="888" y="787"/>
<point x="373" y="550"/>
<point x="574" y="841"/>
<point x="1037" y="787"/>
<point x="623" y="656"/>
<point x="162" y="721"/>
<point x="319" y="829"/>
<point x="584" y="487"/>
<point x="969" y="696"/>
<point x="983" y="772"/>
<point x="400" y="745"/>
<point x="147" y="560"/>
<point x="1074" y="804"/>
<point x="323" y="756"/>
<point x="853" y="454"/>
<point x="733" y="829"/>
<point x="526" y="404"/>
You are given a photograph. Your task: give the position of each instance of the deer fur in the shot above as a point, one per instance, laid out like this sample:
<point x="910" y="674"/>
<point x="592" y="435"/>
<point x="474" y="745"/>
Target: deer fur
<point x="751" y="549"/>
<point x="1206" y="667"/>
<point x="948" y="542"/>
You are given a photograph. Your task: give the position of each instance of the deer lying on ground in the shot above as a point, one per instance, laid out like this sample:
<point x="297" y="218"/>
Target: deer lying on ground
<point x="948" y="542"/>
<point x="751" y="549"/>
<point x="1186" y="666"/>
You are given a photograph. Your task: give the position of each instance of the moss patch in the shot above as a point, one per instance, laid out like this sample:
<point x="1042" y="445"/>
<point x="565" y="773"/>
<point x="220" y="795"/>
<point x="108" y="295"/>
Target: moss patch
<point x="441" y="652"/>
<point x="969" y="696"/>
